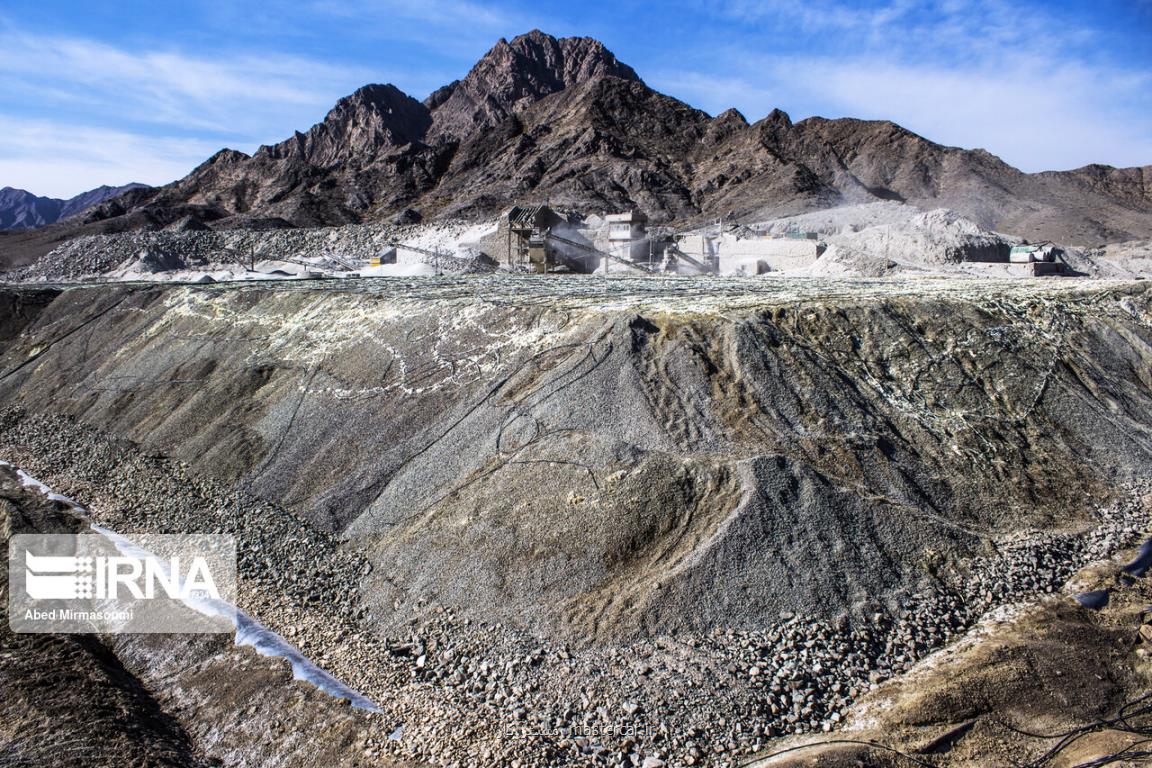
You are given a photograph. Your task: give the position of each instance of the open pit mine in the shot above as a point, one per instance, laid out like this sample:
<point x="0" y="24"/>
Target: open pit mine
<point x="678" y="442"/>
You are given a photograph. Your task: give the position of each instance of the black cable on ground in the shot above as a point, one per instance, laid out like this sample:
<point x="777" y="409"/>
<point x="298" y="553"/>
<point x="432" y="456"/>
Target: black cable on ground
<point x="1123" y="722"/>
<point x="859" y="742"/>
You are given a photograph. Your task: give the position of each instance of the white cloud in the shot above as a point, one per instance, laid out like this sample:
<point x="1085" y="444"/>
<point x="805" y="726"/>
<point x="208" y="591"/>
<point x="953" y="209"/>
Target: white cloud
<point x="57" y="160"/>
<point x="814" y="14"/>
<point x="239" y="95"/>
<point x="905" y="26"/>
<point x="947" y="35"/>
<point x="1023" y="80"/>
<point x="962" y="72"/>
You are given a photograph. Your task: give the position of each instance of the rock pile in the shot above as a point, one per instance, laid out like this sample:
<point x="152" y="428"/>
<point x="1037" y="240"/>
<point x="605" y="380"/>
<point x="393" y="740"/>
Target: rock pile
<point x="491" y="694"/>
<point x="94" y="256"/>
<point x="900" y="235"/>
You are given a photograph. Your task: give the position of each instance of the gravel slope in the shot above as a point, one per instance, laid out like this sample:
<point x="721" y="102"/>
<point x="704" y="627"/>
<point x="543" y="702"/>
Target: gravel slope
<point x="712" y="512"/>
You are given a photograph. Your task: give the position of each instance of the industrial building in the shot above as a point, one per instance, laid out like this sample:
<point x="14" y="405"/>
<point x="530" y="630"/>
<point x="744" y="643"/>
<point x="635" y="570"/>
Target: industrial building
<point x="627" y="235"/>
<point x="535" y="238"/>
<point x="523" y="229"/>
<point x="1037" y="259"/>
<point x="1032" y="253"/>
<point x="732" y="253"/>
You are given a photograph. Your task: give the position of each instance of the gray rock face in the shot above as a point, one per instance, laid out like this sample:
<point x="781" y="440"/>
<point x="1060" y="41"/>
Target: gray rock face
<point x="159" y="261"/>
<point x="92" y="257"/>
<point x="93" y="197"/>
<point x="23" y="210"/>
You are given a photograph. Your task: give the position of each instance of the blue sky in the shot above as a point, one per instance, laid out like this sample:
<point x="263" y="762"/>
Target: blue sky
<point x="95" y="93"/>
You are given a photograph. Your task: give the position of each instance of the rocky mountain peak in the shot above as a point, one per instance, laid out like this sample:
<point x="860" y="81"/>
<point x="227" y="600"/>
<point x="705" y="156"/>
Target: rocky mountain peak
<point x="94" y="197"/>
<point x="384" y="111"/>
<point x="726" y="124"/>
<point x="373" y="118"/>
<point x="517" y="73"/>
<point x="1132" y="185"/>
<point x="731" y="116"/>
<point x="776" y="128"/>
<point x="225" y="157"/>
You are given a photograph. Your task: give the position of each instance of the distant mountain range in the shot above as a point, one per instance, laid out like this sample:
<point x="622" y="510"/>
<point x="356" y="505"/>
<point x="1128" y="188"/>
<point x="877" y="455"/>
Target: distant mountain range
<point x="20" y="209"/>
<point x="540" y="119"/>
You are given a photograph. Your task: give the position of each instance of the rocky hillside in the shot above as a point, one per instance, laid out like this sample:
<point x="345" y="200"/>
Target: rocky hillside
<point x="20" y="209"/>
<point x="542" y="119"/>
<point x="724" y="513"/>
<point x="728" y="414"/>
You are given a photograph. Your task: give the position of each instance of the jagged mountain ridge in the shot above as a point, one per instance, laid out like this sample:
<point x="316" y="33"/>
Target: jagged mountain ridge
<point x="562" y="120"/>
<point x="20" y="209"/>
<point x="513" y="75"/>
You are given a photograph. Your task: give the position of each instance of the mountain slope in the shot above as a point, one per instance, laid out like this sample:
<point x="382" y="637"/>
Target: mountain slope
<point x="540" y="119"/>
<point x="20" y="209"/>
<point x="365" y="153"/>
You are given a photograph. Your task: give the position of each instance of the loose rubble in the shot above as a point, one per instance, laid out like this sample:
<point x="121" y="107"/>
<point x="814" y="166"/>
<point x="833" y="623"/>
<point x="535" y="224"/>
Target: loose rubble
<point x="490" y="694"/>
<point x="232" y="254"/>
